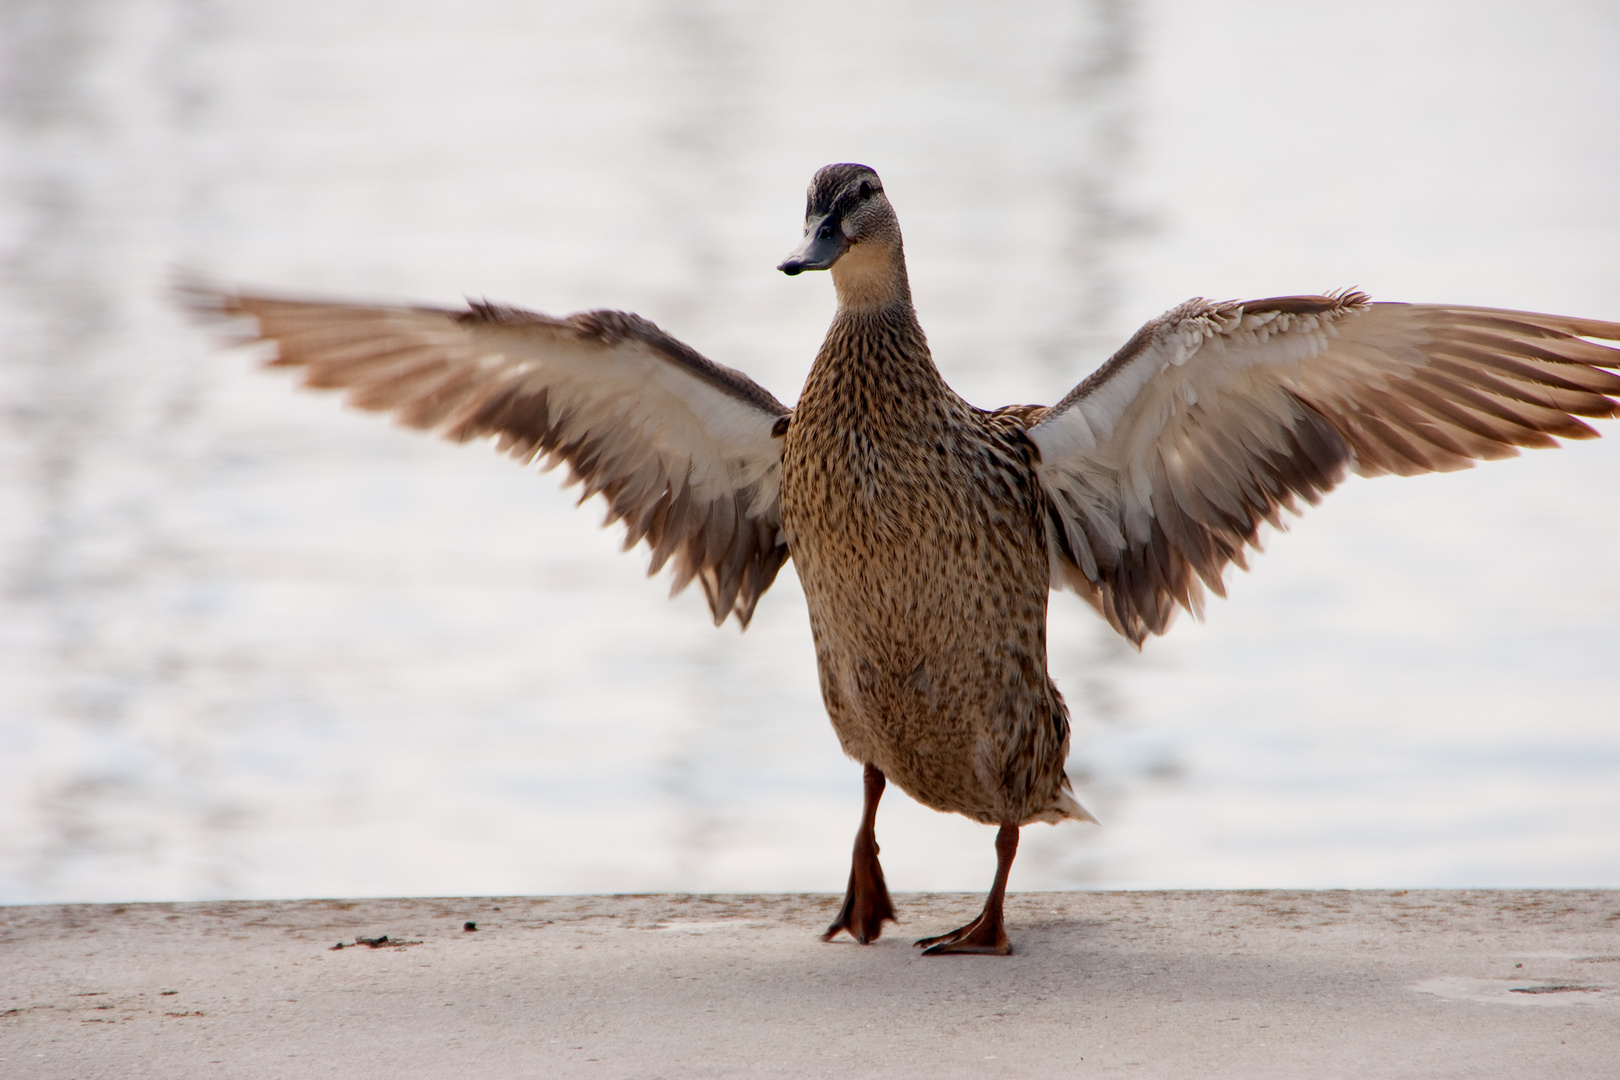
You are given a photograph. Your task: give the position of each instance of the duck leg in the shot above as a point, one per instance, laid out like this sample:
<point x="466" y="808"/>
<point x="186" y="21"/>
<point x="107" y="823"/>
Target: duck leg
<point x="987" y="933"/>
<point x="866" y="902"/>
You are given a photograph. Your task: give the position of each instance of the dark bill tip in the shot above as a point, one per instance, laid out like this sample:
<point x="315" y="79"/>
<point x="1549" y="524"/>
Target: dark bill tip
<point x="824" y="243"/>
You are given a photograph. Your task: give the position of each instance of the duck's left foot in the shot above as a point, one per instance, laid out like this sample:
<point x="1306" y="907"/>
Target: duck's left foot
<point x="985" y="936"/>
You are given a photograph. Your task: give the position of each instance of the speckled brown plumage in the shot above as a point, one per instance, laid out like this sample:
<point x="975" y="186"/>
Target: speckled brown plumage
<point x="917" y="533"/>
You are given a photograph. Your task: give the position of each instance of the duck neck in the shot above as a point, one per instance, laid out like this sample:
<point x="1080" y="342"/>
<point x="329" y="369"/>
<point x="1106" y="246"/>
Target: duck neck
<point x="874" y="351"/>
<point x="872" y="277"/>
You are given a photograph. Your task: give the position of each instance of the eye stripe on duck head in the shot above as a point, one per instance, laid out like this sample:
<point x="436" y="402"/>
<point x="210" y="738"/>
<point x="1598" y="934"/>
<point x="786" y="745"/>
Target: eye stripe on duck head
<point x="837" y="189"/>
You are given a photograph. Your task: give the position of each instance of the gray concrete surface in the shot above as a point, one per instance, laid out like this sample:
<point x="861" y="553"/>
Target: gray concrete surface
<point x="1206" y="984"/>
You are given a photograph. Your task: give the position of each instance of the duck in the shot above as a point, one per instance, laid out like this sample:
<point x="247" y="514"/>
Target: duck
<point x="929" y="534"/>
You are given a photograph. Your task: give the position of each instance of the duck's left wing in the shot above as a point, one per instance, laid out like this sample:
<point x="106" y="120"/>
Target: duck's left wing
<point x="685" y="452"/>
<point x="1160" y="467"/>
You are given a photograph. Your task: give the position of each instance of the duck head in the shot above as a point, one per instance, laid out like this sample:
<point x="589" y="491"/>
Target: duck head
<point x="850" y="229"/>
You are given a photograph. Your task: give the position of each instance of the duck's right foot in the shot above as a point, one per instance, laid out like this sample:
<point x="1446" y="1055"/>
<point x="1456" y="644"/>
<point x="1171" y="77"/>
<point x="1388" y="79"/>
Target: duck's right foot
<point x="866" y="901"/>
<point x="863" y="914"/>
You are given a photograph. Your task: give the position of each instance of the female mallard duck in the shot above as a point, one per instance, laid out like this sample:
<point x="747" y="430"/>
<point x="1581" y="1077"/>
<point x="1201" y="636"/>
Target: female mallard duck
<point x="927" y="532"/>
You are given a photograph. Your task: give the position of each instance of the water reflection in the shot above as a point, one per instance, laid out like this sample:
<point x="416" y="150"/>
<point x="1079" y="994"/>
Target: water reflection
<point x="256" y="646"/>
<point x="252" y="633"/>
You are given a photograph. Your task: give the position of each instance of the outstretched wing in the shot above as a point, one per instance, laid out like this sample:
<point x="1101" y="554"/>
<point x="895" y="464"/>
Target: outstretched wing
<point x="685" y="452"/>
<point x="1161" y="466"/>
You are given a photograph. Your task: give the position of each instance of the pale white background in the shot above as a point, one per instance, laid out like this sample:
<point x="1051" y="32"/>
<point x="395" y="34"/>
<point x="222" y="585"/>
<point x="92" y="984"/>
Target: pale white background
<point x="252" y="644"/>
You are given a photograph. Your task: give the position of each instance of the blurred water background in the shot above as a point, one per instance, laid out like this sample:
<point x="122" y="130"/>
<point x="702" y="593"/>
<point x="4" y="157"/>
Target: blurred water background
<point x="253" y="645"/>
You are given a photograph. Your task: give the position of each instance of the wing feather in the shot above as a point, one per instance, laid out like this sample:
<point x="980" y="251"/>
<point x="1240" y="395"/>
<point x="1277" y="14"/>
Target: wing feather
<point x="680" y="448"/>
<point x="1161" y="466"/>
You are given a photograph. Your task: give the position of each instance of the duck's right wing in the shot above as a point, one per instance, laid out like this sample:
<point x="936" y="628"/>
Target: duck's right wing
<point x="686" y="453"/>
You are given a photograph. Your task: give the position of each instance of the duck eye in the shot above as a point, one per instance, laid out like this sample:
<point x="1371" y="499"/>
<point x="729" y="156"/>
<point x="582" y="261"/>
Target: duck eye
<point x="866" y="190"/>
<point x="824" y="233"/>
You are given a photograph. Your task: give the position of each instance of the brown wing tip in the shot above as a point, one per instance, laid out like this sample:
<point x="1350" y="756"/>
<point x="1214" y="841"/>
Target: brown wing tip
<point x="205" y="302"/>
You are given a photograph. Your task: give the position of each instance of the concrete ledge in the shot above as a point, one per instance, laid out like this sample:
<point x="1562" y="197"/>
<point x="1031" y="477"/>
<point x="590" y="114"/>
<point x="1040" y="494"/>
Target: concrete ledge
<point x="1206" y="984"/>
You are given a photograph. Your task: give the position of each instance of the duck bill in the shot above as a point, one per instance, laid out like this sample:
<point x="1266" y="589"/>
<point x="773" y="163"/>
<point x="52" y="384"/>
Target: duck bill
<point x="823" y="243"/>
